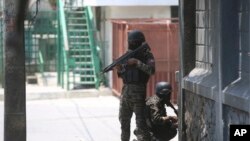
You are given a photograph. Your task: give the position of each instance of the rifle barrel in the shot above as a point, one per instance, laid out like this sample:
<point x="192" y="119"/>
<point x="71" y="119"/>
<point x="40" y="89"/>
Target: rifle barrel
<point x="124" y="57"/>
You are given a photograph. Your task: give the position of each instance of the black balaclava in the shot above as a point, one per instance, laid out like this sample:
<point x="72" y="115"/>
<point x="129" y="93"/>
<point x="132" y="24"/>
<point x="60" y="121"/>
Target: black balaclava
<point x="135" y="39"/>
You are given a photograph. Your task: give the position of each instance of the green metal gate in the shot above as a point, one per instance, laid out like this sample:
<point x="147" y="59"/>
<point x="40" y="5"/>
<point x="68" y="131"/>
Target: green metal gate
<point x="40" y="42"/>
<point x="61" y="41"/>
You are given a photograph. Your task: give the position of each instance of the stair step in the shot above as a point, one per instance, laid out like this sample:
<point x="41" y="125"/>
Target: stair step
<point x="83" y="63"/>
<point x="79" y="46"/>
<point x="84" y="66"/>
<point x="79" y="52"/>
<point x="77" y="30"/>
<point x="77" y="22"/>
<point x="76" y="12"/>
<point x="74" y="24"/>
<point x="80" y="49"/>
<point x="76" y="18"/>
<point x="82" y="21"/>
<point x="78" y="40"/>
<point x="82" y="55"/>
<point x="73" y="36"/>
<point x="82" y="58"/>
<point x="79" y="43"/>
<point x="85" y="69"/>
<point x="86" y="82"/>
<point x="86" y="76"/>
<point x="85" y="56"/>
<point x="70" y="34"/>
<point x="83" y="72"/>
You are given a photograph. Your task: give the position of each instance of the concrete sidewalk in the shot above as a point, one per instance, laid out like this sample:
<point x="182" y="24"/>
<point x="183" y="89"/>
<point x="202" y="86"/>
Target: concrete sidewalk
<point x="54" y="114"/>
<point x="74" y="119"/>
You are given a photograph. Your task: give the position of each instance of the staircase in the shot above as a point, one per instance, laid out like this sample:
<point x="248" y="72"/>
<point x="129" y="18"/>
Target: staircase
<point x="82" y="65"/>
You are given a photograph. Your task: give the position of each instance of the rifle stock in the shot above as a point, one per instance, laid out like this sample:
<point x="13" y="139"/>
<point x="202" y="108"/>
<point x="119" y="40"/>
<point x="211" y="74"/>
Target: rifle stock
<point x="124" y="57"/>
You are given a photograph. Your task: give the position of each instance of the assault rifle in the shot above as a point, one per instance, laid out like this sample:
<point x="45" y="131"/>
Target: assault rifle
<point x="125" y="57"/>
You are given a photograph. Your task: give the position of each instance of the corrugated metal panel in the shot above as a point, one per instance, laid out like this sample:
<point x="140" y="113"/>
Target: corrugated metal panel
<point x="162" y="36"/>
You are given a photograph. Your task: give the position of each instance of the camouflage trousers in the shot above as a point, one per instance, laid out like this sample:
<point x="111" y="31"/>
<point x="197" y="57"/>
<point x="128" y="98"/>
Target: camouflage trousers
<point x="133" y="101"/>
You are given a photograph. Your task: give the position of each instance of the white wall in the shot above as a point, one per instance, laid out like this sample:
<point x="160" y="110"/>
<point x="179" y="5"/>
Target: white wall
<point x="129" y="2"/>
<point x="138" y="12"/>
<point x="126" y="12"/>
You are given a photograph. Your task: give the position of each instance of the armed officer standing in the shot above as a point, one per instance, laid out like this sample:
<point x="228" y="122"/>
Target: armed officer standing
<point x="135" y="74"/>
<point x="162" y="127"/>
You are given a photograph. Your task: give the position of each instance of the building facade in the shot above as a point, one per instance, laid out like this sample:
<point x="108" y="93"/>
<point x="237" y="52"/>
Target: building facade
<point x="215" y="78"/>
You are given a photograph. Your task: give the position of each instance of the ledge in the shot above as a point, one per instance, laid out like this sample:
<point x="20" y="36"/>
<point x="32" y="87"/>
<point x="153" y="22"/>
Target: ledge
<point x="237" y="94"/>
<point x="202" y="82"/>
<point x="205" y="83"/>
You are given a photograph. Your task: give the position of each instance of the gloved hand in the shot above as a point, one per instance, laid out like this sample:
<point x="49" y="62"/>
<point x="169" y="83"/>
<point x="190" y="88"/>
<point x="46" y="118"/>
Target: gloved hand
<point x="132" y="62"/>
<point x="173" y="119"/>
<point x="118" y="67"/>
<point x="175" y="125"/>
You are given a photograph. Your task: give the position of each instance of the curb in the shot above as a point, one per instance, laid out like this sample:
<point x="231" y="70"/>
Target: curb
<point x="65" y="94"/>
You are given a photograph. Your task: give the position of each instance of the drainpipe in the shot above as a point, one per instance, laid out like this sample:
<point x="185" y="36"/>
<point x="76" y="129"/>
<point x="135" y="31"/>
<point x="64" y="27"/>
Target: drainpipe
<point x="180" y="77"/>
<point x="220" y="97"/>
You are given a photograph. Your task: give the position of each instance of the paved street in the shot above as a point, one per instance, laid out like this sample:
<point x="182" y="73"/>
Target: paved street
<point x="72" y="119"/>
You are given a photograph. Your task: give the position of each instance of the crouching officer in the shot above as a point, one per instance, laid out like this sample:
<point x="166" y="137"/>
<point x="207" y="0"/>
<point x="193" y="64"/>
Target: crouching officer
<point x="162" y="127"/>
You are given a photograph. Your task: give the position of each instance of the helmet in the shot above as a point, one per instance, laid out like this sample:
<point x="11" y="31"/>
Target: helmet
<point x="135" y="39"/>
<point x="163" y="89"/>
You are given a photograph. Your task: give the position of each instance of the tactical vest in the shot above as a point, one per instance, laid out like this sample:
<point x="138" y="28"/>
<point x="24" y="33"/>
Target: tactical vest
<point x="133" y="75"/>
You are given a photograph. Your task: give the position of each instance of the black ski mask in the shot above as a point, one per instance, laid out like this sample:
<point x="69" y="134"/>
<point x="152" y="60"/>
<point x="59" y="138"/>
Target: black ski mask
<point x="135" y="39"/>
<point x="132" y="45"/>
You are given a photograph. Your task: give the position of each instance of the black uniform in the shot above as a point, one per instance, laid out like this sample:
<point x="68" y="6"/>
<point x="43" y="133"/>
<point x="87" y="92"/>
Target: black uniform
<point x="160" y="128"/>
<point x="133" y="96"/>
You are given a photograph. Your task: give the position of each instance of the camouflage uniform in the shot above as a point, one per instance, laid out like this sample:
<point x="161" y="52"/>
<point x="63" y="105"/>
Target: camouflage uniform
<point x="160" y="129"/>
<point x="133" y="95"/>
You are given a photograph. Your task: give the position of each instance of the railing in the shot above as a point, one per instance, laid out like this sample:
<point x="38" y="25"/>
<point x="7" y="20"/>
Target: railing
<point x="93" y="45"/>
<point x="63" y="51"/>
<point x="41" y="62"/>
<point x="63" y="24"/>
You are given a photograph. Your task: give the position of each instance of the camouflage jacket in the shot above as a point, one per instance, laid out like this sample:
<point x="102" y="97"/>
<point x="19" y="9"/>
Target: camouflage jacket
<point x="155" y="108"/>
<point x="146" y="66"/>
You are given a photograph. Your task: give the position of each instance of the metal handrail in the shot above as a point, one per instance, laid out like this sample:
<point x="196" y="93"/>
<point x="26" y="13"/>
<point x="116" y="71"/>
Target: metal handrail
<point x="93" y="44"/>
<point x="63" y="25"/>
<point x="65" y="49"/>
<point x="41" y="62"/>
